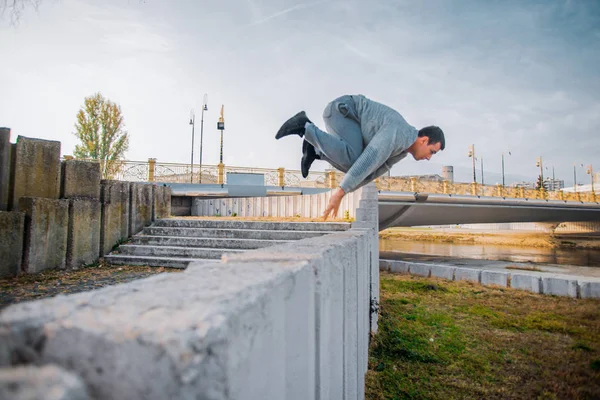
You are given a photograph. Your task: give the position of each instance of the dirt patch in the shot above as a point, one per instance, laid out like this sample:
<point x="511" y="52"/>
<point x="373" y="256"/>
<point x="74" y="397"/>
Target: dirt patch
<point x="54" y="282"/>
<point x="533" y="239"/>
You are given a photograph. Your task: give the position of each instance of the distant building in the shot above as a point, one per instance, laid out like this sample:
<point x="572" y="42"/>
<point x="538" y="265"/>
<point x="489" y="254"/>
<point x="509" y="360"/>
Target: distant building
<point x="553" y="184"/>
<point x="524" y="185"/>
<point x="433" y="177"/>
<point x="448" y="173"/>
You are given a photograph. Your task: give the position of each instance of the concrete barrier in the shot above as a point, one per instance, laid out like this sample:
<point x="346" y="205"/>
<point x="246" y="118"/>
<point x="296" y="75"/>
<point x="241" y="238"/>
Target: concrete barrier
<point x="12" y="225"/>
<point x="48" y="382"/>
<point x="114" y="196"/>
<point x="35" y="171"/>
<point x="559" y="286"/>
<point x="467" y="274"/>
<point x="553" y="285"/>
<point x="80" y="179"/>
<point x="5" y="162"/>
<point x="46" y="223"/>
<point x="140" y="208"/>
<point x="162" y="202"/>
<point x="83" y="242"/>
<point x="496" y="278"/>
<point x="529" y="283"/>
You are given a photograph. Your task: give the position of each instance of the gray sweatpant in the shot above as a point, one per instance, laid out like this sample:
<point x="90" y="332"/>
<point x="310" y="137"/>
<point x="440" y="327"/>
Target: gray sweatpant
<point x="343" y="143"/>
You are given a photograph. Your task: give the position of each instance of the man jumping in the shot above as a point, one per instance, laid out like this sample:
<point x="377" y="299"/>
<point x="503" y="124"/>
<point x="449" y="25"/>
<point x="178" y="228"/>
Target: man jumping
<point x="364" y="139"/>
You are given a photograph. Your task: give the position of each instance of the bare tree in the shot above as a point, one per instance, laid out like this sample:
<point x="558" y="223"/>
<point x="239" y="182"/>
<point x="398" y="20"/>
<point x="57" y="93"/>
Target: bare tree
<point x="14" y="8"/>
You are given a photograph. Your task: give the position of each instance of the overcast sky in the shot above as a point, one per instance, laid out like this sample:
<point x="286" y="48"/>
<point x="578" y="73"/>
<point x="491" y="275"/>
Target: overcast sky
<point x="508" y="76"/>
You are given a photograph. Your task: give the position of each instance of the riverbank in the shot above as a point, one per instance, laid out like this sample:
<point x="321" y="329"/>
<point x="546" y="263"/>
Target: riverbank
<point x="496" y="238"/>
<point x="443" y="339"/>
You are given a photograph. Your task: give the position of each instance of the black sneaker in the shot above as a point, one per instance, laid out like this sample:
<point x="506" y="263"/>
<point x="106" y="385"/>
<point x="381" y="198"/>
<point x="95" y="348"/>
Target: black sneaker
<point x="308" y="156"/>
<point x="293" y="126"/>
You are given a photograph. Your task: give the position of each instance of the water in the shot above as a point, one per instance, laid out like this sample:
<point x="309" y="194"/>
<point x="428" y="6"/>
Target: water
<point x="396" y="249"/>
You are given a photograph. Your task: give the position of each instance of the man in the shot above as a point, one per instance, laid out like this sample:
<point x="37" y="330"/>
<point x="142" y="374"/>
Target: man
<point x="363" y="139"/>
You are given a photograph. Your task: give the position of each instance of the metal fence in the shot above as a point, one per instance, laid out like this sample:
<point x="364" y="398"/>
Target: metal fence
<point x="153" y="171"/>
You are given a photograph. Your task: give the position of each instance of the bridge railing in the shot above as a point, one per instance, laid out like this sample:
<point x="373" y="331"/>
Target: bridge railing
<point x="154" y="171"/>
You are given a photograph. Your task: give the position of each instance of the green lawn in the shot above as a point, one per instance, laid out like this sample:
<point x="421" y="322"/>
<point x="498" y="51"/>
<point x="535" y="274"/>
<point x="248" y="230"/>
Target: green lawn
<point x="456" y="340"/>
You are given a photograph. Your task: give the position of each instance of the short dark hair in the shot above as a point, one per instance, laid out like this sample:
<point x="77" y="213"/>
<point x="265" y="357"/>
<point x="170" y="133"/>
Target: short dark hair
<point x="434" y="134"/>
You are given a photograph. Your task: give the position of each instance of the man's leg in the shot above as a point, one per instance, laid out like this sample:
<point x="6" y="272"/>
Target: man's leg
<point x="343" y="144"/>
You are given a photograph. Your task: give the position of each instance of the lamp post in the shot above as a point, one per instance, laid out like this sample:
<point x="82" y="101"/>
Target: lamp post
<point x="204" y="108"/>
<point x="574" y="177"/>
<point x="482" y="181"/>
<point x="221" y="127"/>
<point x="503" y="183"/>
<point x="540" y="163"/>
<point x="472" y="155"/>
<point x="590" y="170"/>
<point x="192" y="123"/>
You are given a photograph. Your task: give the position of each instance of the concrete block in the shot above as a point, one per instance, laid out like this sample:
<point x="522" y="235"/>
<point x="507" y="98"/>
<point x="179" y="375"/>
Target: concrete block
<point x="162" y="202"/>
<point x="83" y="242"/>
<point x="467" y="274"/>
<point x="80" y="179"/>
<point x="399" y="267"/>
<point x="114" y="225"/>
<point x="350" y="336"/>
<point x="5" y="163"/>
<point x="559" y="286"/>
<point x="419" y="269"/>
<point x="12" y="225"/>
<point x="48" y="382"/>
<point x="589" y="290"/>
<point x="385" y="265"/>
<point x="531" y="283"/>
<point x="494" y="278"/>
<point x="443" y="271"/>
<point x="140" y="208"/>
<point x="35" y="170"/>
<point x="46" y="224"/>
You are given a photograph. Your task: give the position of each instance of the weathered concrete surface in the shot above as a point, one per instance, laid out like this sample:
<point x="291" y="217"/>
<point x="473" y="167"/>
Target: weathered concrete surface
<point x="114" y="196"/>
<point x="140" y="214"/>
<point x="420" y="269"/>
<point x="80" y="179"/>
<point x="531" y="283"/>
<point x="162" y="202"/>
<point x="559" y="286"/>
<point x="35" y="171"/>
<point x="589" y="290"/>
<point x="467" y="274"/>
<point x="12" y="226"/>
<point x="494" y="278"/>
<point x="83" y="243"/>
<point x="36" y="383"/>
<point x="5" y="162"/>
<point x="46" y="224"/>
<point x="441" y="271"/>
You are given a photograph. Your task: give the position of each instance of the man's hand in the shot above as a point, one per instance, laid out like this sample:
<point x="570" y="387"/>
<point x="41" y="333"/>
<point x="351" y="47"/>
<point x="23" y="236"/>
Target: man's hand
<point x="334" y="203"/>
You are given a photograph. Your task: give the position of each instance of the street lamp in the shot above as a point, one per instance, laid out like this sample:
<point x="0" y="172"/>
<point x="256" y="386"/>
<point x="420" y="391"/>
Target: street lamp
<point x="221" y="127"/>
<point x="503" y="183"/>
<point x="540" y="163"/>
<point x="590" y="171"/>
<point x="192" y="123"/>
<point x="204" y="108"/>
<point x="472" y="155"/>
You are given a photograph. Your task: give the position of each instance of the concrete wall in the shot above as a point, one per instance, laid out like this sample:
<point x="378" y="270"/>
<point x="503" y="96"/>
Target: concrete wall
<point x="5" y="162"/>
<point x="12" y="225"/>
<point x="285" y="322"/>
<point x="310" y="206"/>
<point x="35" y="170"/>
<point x="93" y="217"/>
<point x="536" y="282"/>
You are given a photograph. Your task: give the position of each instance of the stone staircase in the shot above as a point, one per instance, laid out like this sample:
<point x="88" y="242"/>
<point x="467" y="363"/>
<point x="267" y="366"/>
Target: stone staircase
<point x="176" y="242"/>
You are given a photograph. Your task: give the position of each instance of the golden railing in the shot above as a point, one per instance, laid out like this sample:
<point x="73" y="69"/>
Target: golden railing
<point x="153" y="171"/>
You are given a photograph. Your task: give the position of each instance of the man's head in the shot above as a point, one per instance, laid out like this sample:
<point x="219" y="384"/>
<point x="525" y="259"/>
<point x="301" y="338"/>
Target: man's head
<point x="430" y="141"/>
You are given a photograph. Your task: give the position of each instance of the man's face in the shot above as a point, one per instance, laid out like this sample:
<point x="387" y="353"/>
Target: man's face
<point x="424" y="150"/>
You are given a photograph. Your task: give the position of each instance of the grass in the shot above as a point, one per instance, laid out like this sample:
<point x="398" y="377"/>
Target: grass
<point x="456" y="340"/>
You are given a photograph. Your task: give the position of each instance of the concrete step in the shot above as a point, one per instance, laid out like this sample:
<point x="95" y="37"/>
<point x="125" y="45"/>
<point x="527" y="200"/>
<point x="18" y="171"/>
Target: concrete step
<point x="256" y="225"/>
<point x="220" y="243"/>
<point x="173" y="251"/>
<point x="168" y="262"/>
<point x="232" y="233"/>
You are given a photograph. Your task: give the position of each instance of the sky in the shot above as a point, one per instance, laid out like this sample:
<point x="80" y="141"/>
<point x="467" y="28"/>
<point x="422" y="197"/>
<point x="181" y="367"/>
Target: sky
<point x="519" y="77"/>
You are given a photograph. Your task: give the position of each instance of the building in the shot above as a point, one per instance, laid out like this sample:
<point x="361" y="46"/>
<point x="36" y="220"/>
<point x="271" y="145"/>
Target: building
<point x="552" y="185"/>
<point x="524" y="185"/>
